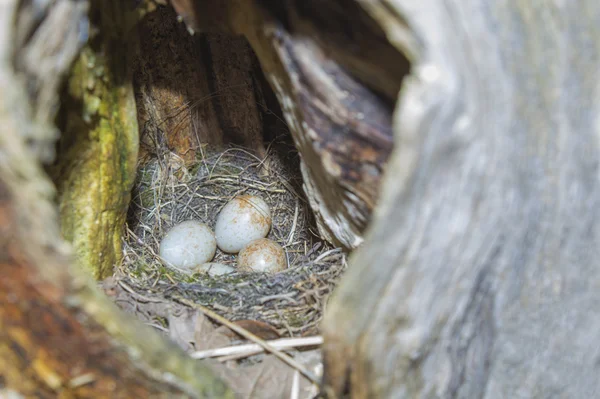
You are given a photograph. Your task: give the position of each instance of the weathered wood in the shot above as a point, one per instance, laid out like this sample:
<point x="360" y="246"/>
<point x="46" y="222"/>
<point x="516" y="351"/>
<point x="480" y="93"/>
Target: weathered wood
<point x="168" y="73"/>
<point x="340" y="121"/>
<point x="45" y="53"/>
<point x="479" y="278"/>
<point x="59" y="336"/>
<point x="195" y="90"/>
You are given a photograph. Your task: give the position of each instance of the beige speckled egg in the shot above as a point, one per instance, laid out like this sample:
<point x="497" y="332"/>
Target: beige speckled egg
<point x="187" y="245"/>
<point x="215" y="269"/>
<point x="262" y="255"/>
<point x="244" y="219"/>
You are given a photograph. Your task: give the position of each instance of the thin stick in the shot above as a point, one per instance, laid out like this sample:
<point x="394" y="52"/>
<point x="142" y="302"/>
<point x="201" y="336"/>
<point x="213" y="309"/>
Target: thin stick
<point x="293" y="229"/>
<point x="137" y="296"/>
<point x="295" y="394"/>
<point x="248" y="335"/>
<point x="253" y="349"/>
<point x="288" y="297"/>
<point x="292" y="189"/>
<point x="325" y="254"/>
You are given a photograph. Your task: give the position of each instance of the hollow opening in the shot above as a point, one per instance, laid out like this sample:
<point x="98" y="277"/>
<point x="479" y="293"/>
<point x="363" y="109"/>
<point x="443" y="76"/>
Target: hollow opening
<point x="211" y="128"/>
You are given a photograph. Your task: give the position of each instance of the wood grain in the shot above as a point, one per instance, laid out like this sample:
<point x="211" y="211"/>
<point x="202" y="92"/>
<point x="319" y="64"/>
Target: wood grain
<point x="479" y="276"/>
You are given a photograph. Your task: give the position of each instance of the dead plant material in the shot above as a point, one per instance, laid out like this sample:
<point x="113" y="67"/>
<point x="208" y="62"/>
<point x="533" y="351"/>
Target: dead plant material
<point x="251" y="337"/>
<point x="169" y="191"/>
<point x="242" y="351"/>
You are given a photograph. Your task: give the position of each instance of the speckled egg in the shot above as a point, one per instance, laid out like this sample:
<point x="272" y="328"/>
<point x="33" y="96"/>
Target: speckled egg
<point x="262" y="255"/>
<point x="187" y="245"/>
<point x="215" y="269"/>
<point x="244" y="219"/>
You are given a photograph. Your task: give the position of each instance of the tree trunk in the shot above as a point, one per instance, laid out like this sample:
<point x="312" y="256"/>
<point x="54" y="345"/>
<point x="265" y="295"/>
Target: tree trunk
<point x="197" y="90"/>
<point x="97" y="152"/>
<point x="479" y="277"/>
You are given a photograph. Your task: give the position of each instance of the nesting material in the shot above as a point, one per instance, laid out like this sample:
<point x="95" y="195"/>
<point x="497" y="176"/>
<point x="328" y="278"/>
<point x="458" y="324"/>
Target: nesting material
<point x="169" y="192"/>
<point x="262" y="255"/>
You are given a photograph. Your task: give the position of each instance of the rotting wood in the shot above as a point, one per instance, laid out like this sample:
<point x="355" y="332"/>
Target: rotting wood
<point x="60" y="337"/>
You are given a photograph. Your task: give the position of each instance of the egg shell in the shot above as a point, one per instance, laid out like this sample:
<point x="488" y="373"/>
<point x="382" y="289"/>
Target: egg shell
<point x="244" y="219"/>
<point x="187" y="245"/>
<point x="215" y="269"/>
<point x="262" y="255"/>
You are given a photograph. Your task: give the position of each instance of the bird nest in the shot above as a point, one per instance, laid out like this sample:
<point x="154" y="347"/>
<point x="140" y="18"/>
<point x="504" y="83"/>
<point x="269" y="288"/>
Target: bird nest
<point x="169" y="191"/>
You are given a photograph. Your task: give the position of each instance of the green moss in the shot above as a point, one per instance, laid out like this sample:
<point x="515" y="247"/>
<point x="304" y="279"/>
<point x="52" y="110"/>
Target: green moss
<point x="98" y="151"/>
<point x="146" y="198"/>
<point x="296" y="321"/>
<point x="145" y="177"/>
<point x="139" y="268"/>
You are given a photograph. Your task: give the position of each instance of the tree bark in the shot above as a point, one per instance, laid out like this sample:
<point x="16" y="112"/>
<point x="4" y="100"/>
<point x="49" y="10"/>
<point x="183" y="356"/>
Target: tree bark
<point x="197" y="90"/>
<point x="59" y="336"/>
<point x="97" y="152"/>
<point x="479" y="277"/>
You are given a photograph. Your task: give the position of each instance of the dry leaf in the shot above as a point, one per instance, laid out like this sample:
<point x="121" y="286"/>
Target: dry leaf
<point x="146" y="309"/>
<point x="259" y="328"/>
<point x="271" y="378"/>
<point x="182" y="327"/>
<point x="206" y="336"/>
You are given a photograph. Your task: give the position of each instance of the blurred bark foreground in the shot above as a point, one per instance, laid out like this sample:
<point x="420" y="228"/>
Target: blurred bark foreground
<point x="59" y="337"/>
<point x="480" y="277"/>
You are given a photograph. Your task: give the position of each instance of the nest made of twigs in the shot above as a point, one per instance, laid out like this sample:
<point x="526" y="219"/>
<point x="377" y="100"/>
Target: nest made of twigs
<point x="169" y="191"/>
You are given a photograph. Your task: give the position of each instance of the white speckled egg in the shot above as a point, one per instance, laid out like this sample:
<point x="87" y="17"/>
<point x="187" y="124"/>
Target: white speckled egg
<point x="215" y="269"/>
<point x="262" y="255"/>
<point x="244" y="219"/>
<point x="187" y="245"/>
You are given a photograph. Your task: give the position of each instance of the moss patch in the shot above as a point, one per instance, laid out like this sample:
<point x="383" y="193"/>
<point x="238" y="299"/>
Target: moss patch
<point x="98" y="151"/>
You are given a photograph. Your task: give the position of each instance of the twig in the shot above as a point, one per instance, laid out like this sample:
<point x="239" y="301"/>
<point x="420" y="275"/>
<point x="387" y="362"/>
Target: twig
<point x="248" y="335"/>
<point x="325" y="254"/>
<point x="295" y="394"/>
<point x="293" y="229"/>
<point x="253" y="349"/>
<point x="292" y="189"/>
<point x="288" y="297"/>
<point x="137" y="296"/>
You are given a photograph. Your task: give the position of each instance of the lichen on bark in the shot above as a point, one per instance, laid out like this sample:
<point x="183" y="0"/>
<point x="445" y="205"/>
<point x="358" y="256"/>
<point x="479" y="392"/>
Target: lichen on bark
<point x="98" y="149"/>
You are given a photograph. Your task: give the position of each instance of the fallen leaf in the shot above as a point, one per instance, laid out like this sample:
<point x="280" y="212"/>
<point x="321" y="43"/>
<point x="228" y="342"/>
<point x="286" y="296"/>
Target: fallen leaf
<point x="261" y="329"/>
<point x="206" y="336"/>
<point x="182" y="327"/>
<point x="271" y="378"/>
<point x="145" y="308"/>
